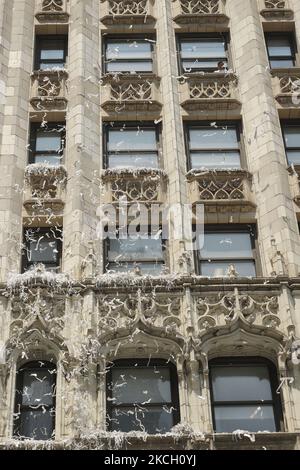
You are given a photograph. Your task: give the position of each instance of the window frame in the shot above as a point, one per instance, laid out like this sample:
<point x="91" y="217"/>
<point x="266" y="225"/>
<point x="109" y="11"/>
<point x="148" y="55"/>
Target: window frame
<point x="143" y="363"/>
<point x="35" y="127"/>
<point x="231" y="228"/>
<point x="19" y="388"/>
<point x="248" y="361"/>
<point x="193" y="37"/>
<point x="136" y="261"/>
<point x="130" y="125"/>
<point x="188" y="125"/>
<point x="38" y="49"/>
<point x="289" y="123"/>
<point x="126" y="38"/>
<point x="42" y="230"/>
<point x="292" y="40"/>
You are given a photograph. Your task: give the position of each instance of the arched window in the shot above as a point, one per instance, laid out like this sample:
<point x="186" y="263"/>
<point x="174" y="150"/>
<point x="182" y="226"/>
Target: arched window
<point x="142" y="395"/>
<point x="35" y="401"/>
<point x="243" y="395"/>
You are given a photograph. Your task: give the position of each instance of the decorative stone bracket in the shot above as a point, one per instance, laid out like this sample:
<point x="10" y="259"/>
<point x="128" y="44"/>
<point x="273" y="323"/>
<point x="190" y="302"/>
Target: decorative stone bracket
<point x="199" y="12"/>
<point x="276" y="10"/>
<point x="209" y="91"/>
<point x="127" y="12"/>
<point x="49" y="90"/>
<point x="286" y="87"/>
<point x="52" y="11"/>
<point x="135" y="185"/>
<point x="222" y="188"/>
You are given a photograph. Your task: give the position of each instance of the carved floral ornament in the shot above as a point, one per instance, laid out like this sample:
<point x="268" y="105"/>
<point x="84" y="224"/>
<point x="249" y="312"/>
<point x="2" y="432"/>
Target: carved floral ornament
<point x="128" y="7"/>
<point x="200" y="7"/>
<point x="52" y="5"/>
<point x="276" y="4"/>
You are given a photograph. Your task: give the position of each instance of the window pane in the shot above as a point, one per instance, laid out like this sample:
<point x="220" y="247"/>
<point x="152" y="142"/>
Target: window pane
<point x="292" y="136"/>
<point x="54" y="159"/>
<point x="226" y="245"/>
<point x="37" y="387"/>
<point x="248" y="418"/>
<point x="154" y="420"/>
<point x="279" y="46"/>
<point x="133" y="139"/>
<point x="220" y="268"/>
<point x="48" y="141"/>
<point x="128" y="50"/>
<point x="129" y="67"/>
<point x="284" y="63"/>
<point x="139" y="385"/>
<point x="293" y="156"/>
<point x="204" y="48"/>
<point x="211" y="138"/>
<point x="43" y="250"/>
<point x="133" y="160"/>
<point x="241" y="383"/>
<point x="36" y="424"/>
<point x="151" y="269"/>
<point x="200" y="64"/>
<point x="135" y="250"/>
<point x="52" y="49"/>
<point x="218" y="160"/>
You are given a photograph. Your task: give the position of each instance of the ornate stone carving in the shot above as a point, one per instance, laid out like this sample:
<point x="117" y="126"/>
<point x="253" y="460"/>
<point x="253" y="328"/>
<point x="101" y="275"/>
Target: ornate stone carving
<point x="49" y="90"/>
<point x="200" y="7"/>
<point x="128" y="7"/>
<point x="211" y="90"/>
<point x="231" y="188"/>
<point x="122" y="313"/>
<point x="258" y="310"/>
<point x="275" y="4"/>
<point x="135" y="190"/>
<point x="53" y="11"/>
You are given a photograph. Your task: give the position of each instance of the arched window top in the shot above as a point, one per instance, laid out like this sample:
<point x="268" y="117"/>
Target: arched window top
<point x="35" y="400"/>
<point x="243" y="392"/>
<point x="142" y="395"/>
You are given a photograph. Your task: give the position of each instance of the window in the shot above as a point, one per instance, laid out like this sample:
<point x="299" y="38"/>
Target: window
<point x="291" y="134"/>
<point x="142" y="396"/>
<point x="51" y="52"/>
<point x="47" y="143"/>
<point x="225" y="246"/>
<point x="281" y="50"/>
<point x="243" y="393"/>
<point x="203" y="54"/>
<point x="136" y="251"/>
<point x="35" y="401"/>
<point x="42" y="245"/>
<point x="132" y="145"/>
<point x="131" y="55"/>
<point x="214" y="146"/>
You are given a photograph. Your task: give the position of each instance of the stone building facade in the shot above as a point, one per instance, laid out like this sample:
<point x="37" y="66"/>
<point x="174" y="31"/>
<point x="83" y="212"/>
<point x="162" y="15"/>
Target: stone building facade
<point x="82" y="319"/>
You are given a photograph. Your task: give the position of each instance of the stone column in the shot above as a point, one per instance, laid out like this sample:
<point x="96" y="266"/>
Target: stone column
<point x="263" y="140"/>
<point x="83" y="135"/>
<point x="19" y="18"/>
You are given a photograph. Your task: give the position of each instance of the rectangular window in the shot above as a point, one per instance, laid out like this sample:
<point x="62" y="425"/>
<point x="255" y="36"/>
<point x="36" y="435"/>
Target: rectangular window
<point x="225" y="246"/>
<point x="51" y="52"/>
<point x="214" y="147"/>
<point x="203" y="54"/>
<point x="130" y="55"/>
<point x="281" y="50"/>
<point x="47" y="143"/>
<point x="291" y="134"/>
<point x="147" y="254"/>
<point x="243" y="396"/>
<point x="142" y="396"/>
<point x="132" y="146"/>
<point x="42" y="246"/>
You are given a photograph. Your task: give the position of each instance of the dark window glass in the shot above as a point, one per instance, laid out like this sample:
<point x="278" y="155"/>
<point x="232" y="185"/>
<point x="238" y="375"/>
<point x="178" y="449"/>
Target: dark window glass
<point x="225" y="247"/>
<point x="281" y="50"/>
<point x="142" y="396"/>
<point x="132" y="147"/>
<point x="47" y="144"/>
<point x="131" y="55"/>
<point x="214" y="147"/>
<point x="203" y="54"/>
<point x="291" y="133"/>
<point x="44" y="246"/>
<point x="125" y="254"/>
<point x="51" y="52"/>
<point x="243" y="396"/>
<point x="35" y="401"/>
